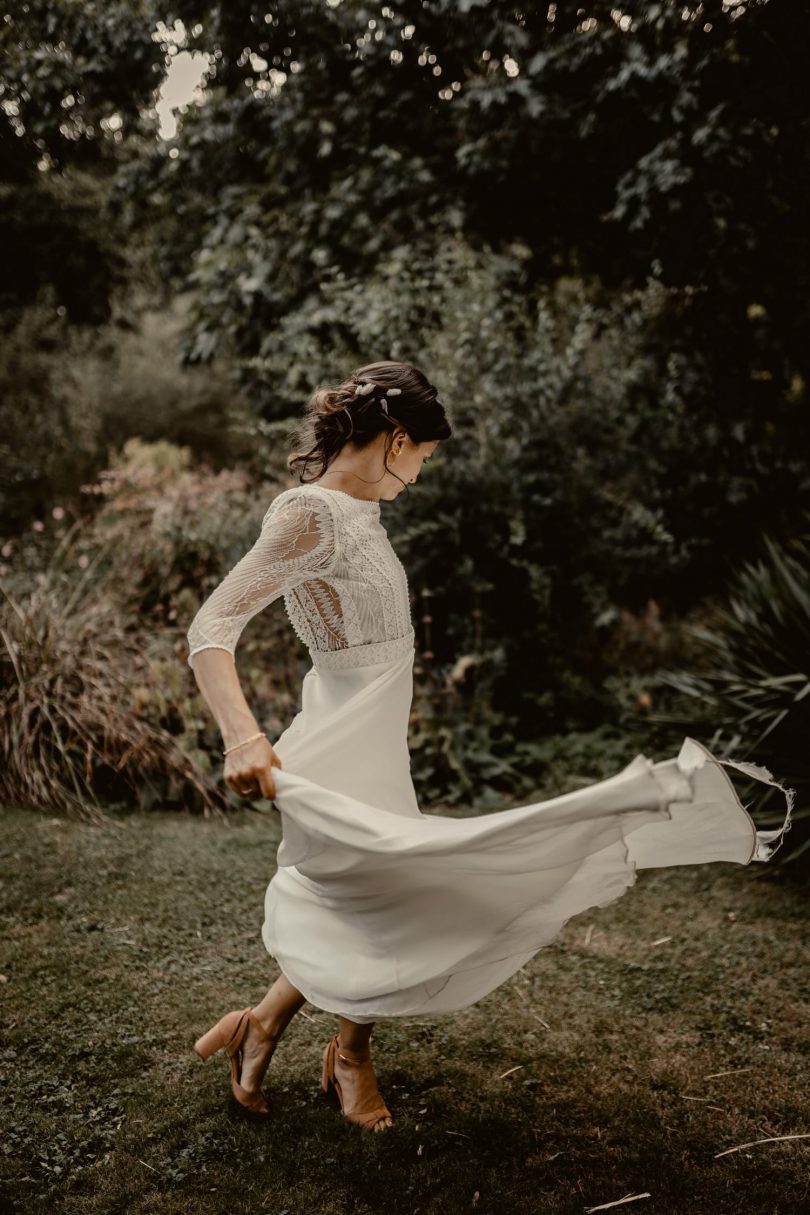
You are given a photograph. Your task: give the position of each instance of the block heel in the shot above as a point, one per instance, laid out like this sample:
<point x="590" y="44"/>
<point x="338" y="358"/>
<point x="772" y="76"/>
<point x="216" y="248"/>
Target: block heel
<point x="209" y="1043"/>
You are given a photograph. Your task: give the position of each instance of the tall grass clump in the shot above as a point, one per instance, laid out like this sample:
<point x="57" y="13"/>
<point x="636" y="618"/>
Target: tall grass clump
<point x="77" y="700"/>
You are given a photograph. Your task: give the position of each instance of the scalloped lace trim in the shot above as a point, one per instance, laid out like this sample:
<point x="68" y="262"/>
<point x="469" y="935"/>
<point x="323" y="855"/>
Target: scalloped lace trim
<point x="364" y="655"/>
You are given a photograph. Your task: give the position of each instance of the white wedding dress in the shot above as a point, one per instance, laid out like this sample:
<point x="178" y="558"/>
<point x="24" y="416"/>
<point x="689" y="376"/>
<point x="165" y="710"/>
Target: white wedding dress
<point x="379" y="910"/>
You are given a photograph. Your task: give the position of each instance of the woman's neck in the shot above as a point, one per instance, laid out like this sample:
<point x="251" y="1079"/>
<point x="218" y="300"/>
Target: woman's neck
<point x="353" y="481"/>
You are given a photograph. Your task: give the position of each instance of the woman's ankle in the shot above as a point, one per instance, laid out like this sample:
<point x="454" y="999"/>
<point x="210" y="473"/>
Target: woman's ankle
<point x="354" y="1054"/>
<point x="271" y="1025"/>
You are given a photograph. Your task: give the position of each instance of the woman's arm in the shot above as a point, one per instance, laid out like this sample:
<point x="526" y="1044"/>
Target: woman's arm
<point x="247" y="769"/>
<point x="296" y="542"/>
<point x="215" y="672"/>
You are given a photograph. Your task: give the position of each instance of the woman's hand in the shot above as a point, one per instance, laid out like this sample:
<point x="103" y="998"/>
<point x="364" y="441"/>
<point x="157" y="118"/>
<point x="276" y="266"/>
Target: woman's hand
<point x="249" y="771"/>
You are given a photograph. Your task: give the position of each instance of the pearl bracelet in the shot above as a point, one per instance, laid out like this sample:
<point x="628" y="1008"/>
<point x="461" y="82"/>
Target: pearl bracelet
<point x="244" y="742"/>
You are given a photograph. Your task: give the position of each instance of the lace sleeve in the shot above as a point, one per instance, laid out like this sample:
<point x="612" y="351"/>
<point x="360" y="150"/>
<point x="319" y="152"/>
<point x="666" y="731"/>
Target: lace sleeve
<point x="297" y="541"/>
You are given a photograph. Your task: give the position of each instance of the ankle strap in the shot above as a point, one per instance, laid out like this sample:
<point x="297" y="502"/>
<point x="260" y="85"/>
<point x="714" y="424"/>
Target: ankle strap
<point x="346" y="1058"/>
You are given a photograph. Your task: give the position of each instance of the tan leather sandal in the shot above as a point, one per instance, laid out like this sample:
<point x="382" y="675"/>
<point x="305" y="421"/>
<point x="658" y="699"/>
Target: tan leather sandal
<point x="228" y="1034"/>
<point x="331" y="1087"/>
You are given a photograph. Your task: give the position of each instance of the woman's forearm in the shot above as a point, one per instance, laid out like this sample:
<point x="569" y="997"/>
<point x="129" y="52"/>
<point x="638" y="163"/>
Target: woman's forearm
<point x="215" y="672"/>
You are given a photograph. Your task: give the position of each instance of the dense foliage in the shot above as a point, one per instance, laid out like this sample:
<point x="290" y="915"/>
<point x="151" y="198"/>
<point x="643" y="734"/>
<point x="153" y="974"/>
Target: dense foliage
<point x="663" y="139"/>
<point x="69" y="397"/>
<point x="75" y="81"/>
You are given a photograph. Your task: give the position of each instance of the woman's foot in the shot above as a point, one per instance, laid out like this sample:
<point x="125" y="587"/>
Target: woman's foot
<point x="256" y="1054"/>
<point x="359" y="1085"/>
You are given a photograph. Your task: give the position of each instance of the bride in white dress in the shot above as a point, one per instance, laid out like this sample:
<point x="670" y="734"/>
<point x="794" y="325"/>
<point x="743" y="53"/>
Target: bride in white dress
<point x="377" y="910"/>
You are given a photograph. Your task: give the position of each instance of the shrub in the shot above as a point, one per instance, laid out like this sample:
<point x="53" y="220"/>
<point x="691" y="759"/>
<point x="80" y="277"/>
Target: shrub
<point x="750" y="691"/>
<point x="71" y="397"/>
<point x="49" y="436"/>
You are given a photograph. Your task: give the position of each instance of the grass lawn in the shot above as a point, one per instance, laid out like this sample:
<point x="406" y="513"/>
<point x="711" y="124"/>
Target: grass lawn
<point x="122" y="943"/>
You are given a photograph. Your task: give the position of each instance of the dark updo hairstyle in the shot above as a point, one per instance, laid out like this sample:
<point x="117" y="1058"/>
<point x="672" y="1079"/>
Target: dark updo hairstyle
<point x="335" y="415"/>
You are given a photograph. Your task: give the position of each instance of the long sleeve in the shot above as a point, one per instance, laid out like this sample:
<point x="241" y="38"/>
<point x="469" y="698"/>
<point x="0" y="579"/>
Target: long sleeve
<point x="296" y="543"/>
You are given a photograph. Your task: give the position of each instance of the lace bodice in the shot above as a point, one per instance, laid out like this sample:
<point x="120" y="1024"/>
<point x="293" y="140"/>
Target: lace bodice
<point x="345" y="590"/>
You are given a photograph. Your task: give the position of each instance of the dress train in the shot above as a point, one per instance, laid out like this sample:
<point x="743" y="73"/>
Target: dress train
<point x="379" y="910"/>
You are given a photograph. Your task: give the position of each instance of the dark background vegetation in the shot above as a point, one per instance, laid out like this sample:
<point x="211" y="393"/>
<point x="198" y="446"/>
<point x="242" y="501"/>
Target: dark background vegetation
<point x="587" y="223"/>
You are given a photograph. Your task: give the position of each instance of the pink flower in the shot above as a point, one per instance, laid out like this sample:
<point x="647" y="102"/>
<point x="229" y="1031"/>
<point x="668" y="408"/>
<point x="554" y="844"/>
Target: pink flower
<point x="7" y="549"/>
<point x="38" y="525"/>
<point x="58" y="512"/>
<point x="84" y="561"/>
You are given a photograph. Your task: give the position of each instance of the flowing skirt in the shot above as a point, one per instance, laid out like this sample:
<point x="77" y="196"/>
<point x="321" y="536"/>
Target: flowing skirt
<point x="377" y="910"/>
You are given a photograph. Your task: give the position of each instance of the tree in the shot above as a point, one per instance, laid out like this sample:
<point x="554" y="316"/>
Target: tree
<point x="77" y="85"/>
<point x="663" y="140"/>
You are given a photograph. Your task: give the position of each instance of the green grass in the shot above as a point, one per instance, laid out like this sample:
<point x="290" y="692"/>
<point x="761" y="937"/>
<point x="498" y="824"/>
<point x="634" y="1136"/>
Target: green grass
<point x="121" y="943"/>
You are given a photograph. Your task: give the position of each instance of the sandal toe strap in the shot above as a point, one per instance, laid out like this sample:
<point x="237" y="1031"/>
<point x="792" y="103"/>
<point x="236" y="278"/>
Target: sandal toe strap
<point x="370" y="1118"/>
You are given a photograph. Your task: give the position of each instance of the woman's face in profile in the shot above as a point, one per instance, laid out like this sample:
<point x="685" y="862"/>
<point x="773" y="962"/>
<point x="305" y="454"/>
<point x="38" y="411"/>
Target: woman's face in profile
<point x="407" y="464"/>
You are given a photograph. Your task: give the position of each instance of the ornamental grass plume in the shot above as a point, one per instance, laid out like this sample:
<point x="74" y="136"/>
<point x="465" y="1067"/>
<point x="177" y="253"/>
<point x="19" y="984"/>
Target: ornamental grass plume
<point x="79" y="694"/>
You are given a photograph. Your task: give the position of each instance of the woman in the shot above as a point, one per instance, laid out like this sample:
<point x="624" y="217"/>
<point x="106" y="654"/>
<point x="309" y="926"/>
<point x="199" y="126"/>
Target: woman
<point x="376" y="910"/>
